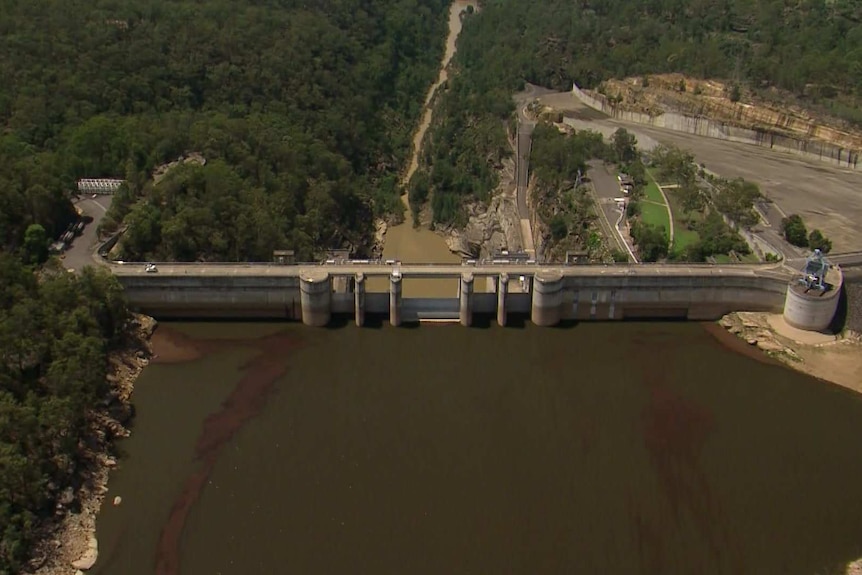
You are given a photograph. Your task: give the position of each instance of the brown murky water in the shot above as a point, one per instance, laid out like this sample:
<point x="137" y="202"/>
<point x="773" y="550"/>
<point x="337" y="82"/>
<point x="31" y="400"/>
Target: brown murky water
<point x="420" y="245"/>
<point x="602" y="448"/>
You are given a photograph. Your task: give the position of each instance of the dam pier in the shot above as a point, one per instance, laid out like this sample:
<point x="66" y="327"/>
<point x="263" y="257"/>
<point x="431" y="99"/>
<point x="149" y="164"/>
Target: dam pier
<point x="547" y="294"/>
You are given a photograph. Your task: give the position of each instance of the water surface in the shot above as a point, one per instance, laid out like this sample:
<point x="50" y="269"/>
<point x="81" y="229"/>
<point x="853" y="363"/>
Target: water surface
<point x="601" y="448"/>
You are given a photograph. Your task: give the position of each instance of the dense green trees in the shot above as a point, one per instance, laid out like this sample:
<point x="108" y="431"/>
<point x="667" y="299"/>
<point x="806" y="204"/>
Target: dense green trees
<point x="55" y="329"/>
<point x="305" y="109"/>
<point x="650" y="239"/>
<point x="795" y="232"/>
<point x="811" y="48"/>
<point x="557" y="160"/>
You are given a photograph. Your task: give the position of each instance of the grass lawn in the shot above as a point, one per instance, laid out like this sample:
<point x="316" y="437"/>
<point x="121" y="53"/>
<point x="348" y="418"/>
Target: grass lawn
<point x="682" y="236"/>
<point x="653" y="207"/>
<point x="655" y="214"/>
<point x="652" y="191"/>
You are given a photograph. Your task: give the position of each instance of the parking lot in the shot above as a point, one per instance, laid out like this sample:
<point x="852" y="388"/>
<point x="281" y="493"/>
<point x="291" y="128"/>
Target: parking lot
<point x="80" y="253"/>
<point x="826" y="196"/>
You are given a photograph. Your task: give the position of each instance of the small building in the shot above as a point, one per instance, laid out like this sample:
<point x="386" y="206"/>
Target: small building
<point x="338" y="255"/>
<point x="512" y="257"/>
<point x="626" y="181"/>
<point x="284" y="257"/>
<point x="99" y="186"/>
<point x="579" y="257"/>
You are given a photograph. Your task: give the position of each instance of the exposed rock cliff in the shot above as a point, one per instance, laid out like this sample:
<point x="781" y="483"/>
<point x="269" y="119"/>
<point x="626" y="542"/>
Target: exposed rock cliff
<point x="710" y="99"/>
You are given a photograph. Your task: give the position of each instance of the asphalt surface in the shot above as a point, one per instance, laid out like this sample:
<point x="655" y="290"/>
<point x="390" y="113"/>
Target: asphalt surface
<point x="80" y="253"/>
<point x="317" y="272"/>
<point x="827" y="197"/>
<point x="607" y="188"/>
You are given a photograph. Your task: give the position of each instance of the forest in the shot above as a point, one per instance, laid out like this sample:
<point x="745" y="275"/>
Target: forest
<point x="811" y="49"/>
<point x="303" y="110"/>
<point x="55" y="331"/>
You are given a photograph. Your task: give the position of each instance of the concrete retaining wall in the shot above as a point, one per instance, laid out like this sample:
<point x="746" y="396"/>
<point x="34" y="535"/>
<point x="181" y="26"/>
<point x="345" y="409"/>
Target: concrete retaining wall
<point x="843" y="157"/>
<point x="593" y="297"/>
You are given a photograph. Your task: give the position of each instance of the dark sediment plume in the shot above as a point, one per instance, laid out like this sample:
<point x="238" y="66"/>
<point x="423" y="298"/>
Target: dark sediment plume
<point x="676" y="430"/>
<point x="245" y="401"/>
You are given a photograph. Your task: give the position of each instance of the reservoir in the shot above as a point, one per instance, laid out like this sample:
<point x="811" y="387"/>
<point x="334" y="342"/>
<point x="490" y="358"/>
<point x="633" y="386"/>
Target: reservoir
<point x="637" y="448"/>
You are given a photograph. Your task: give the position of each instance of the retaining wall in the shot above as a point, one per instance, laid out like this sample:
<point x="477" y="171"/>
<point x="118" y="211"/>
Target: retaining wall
<point x="596" y="297"/>
<point x="700" y="126"/>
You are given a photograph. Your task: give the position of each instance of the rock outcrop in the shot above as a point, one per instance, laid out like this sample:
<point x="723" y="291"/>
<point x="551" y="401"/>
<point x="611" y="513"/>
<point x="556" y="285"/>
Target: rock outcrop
<point x="490" y="229"/>
<point x="709" y="99"/>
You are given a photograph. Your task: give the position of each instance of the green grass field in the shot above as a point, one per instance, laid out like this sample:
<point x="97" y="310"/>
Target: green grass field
<point x="682" y="237"/>
<point x="653" y="207"/>
<point x="655" y="214"/>
<point x="652" y="191"/>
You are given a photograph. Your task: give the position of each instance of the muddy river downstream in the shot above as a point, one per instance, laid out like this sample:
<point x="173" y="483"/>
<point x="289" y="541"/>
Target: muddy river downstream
<point x="638" y="448"/>
<point x="411" y="244"/>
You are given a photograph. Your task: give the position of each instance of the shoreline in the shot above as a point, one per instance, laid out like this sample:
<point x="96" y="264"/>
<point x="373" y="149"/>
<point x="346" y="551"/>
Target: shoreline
<point x="69" y="545"/>
<point x="836" y="359"/>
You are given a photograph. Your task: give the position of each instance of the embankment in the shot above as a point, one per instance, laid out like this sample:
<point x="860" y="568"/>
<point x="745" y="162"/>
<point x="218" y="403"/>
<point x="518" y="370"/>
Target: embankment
<point x="703" y="126"/>
<point x="69" y="543"/>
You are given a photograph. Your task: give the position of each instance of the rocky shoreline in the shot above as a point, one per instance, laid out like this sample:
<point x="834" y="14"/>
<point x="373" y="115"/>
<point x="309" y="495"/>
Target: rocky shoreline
<point x="69" y="544"/>
<point x="833" y="358"/>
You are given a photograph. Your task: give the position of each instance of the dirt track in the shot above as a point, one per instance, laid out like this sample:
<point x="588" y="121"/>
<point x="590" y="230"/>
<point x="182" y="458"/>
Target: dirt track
<point x="827" y="197"/>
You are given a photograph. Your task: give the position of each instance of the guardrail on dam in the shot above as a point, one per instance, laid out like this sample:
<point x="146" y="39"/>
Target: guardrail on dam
<point x="312" y="293"/>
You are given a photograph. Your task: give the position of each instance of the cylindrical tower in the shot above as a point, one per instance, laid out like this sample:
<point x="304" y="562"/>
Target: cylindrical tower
<point x="547" y="298"/>
<point x="395" y="298"/>
<point x="465" y="313"/>
<point x="359" y="299"/>
<point x="812" y="309"/>
<point x="502" y="290"/>
<point x="315" y="296"/>
<point x="811" y="300"/>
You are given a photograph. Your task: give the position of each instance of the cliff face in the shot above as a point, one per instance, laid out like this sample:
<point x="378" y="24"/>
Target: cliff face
<point x="710" y="99"/>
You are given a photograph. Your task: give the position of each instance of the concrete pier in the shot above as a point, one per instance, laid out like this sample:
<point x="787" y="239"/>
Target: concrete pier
<point x="359" y="299"/>
<point x="395" y="298"/>
<point x="547" y="298"/>
<point x="315" y="296"/>
<point x="465" y="312"/>
<point x="502" y="290"/>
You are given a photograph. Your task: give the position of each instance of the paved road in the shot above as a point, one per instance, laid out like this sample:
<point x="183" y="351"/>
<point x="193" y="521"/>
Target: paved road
<point x="522" y="169"/>
<point x="450" y="270"/>
<point x="607" y="188"/>
<point x="80" y="253"/>
<point x="826" y="196"/>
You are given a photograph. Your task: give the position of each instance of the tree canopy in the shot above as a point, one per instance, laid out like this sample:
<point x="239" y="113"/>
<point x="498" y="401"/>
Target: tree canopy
<point x="55" y="330"/>
<point x="301" y="109"/>
<point x="812" y="48"/>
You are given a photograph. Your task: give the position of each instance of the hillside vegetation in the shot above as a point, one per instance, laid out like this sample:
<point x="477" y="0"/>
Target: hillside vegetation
<point x="55" y="331"/>
<point x="810" y="48"/>
<point x="303" y="110"/>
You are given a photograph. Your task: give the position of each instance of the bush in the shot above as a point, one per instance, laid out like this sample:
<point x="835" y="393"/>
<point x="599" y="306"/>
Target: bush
<point x="620" y="256"/>
<point x="735" y="93"/>
<point x="817" y="241"/>
<point x="559" y="228"/>
<point x="794" y="231"/>
<point x="651" y="241"/>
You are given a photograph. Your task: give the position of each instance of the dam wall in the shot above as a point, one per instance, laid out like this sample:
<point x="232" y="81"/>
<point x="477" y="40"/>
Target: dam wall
<point x="701" y="126"/>
<point x="557" y="294"/>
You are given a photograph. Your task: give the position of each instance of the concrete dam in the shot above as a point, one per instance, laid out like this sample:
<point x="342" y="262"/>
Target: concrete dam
<point x="314" y="293"/>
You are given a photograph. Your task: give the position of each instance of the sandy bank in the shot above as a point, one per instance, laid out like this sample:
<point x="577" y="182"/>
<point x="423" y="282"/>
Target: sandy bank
<point x="834" y="358"/>
<point x="69" y="544"/>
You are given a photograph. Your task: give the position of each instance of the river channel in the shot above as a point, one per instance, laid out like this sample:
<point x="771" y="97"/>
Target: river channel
<point x="411" y="244"/>
<point x="634" y="448"/>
